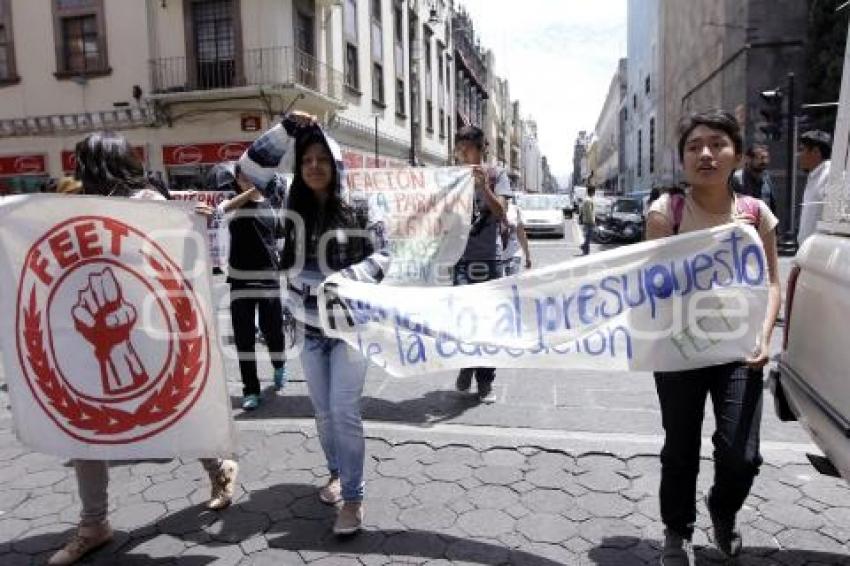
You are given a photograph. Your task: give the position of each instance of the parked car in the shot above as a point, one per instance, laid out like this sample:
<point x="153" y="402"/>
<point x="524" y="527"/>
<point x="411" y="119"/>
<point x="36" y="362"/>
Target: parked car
<point x="624" y="221"/>
<point x="811" y="382"/>
<point x="541" y="215"/>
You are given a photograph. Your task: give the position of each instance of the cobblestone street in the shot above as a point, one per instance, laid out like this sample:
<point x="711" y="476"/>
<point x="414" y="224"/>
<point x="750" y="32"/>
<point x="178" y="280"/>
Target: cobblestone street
<point x="431" y="499"/>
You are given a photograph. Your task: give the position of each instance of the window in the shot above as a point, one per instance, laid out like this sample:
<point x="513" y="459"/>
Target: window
<point x="7" y="45"/>
<point x="634" y="101"/>
<point x="442" y="123"/>
<point x="399" y="97"/>
<point x="377" y="83"/>
<point x="640" y="153"/>
<point x="215" y="44"/>
<point x="429" y="81"/>
<point x="651" y="146"/>
<point x="429" y="116"/>
<point x="79" y="31"/>
<point x="398" y="56"/>
<point x="305" y="43"/>
<point x="646" y="85"/>
<point x="352" y="61"/>
<point x="377" y="54"/>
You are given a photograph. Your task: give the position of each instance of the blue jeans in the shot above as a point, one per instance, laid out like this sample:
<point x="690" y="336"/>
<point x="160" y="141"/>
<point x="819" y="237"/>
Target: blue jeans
<point x="335" y="375"/>
<point x="736" y="397"/>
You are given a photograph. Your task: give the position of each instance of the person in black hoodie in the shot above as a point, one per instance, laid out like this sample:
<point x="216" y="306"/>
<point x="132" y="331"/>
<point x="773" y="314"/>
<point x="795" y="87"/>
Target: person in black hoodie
<point x="254" y="277"/>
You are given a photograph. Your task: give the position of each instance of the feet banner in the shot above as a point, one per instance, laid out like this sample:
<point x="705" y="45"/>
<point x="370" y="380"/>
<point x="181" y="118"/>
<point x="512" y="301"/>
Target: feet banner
<point x="107" y="330"/>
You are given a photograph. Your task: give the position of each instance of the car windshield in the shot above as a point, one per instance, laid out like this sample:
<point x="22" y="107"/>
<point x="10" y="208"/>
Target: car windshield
<point x="538" y="202"/>
<point x="627" y="206"/>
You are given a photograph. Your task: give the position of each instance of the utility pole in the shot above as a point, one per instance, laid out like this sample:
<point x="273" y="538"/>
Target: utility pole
<point x="788" y="245"/>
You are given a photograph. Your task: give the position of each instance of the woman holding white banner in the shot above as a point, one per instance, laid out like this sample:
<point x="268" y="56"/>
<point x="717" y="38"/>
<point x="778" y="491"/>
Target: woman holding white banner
<point x="323" y="235"/>
<point x="710" y="147"/>
<point x="106" y="166"/>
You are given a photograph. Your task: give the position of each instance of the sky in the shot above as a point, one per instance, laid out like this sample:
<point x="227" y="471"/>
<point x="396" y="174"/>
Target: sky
<point x="559" y="57"/>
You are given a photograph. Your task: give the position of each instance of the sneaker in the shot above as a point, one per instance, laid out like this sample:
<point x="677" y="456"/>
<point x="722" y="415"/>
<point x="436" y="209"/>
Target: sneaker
<point x="279" y="378"/>
<point x="251" y="402"/>
<point x="85" y="540"/>
<point x="223" y="485"/>
<point x="464" y="380"/>
<point x="331" y="493"/>
<point x="486" y="394"/>
<point x="723" y="533"/>
<point x="677" y="551"/>
<point x="349" y="520"/>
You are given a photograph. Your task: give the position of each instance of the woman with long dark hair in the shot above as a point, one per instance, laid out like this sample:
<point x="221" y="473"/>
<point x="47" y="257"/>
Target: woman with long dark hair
<point x="106" y="166"/>
<point x="324" y="234"/>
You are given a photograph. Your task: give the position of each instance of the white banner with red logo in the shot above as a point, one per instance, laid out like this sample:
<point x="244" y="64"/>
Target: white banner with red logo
<point x="110" y="349"/>
<point x="427" y="213"/>
<point x="691" y="301"/>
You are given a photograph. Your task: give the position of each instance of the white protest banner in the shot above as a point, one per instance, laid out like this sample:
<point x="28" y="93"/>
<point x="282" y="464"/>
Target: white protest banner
<point x="427" y="213"/>
<point x="108" y="337"/>
<point x="690" y="301"/>
<point x="216" y="235"/>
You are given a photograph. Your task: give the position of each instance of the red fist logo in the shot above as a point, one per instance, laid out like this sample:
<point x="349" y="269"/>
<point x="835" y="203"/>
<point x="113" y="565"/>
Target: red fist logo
<point x="105" y="320"/>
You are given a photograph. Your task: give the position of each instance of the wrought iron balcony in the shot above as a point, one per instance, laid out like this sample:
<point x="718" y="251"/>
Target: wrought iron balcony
<point x="267" y="66"/>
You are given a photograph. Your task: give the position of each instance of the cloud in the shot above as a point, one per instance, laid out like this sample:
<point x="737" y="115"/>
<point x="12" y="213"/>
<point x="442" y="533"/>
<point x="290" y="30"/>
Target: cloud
<point x="559" y="57"/>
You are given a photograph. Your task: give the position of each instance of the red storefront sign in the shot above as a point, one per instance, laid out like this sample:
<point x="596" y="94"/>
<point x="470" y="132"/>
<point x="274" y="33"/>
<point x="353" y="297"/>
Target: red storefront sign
<point x="69" y="159"/>
<point x="202" y="153"/>
<point x="14" y="165"/>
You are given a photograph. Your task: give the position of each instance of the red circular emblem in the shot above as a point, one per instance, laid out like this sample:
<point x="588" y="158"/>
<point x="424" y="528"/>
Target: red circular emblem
<point x="110" y="334"/>
<point x="188" y="154"/>
<point x="231" y="151"/>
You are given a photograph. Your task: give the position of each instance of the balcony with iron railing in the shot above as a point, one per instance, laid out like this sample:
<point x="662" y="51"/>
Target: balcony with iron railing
<point x="273" y="67"/>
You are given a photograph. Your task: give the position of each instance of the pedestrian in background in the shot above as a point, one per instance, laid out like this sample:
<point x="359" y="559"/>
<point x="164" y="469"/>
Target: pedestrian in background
<point x="515" y="250"/>
<point x="587" y="219"/>
<point x="107" y="167"/>
<point x="481" y="259"/>
<point x="253" y="275"/>
<point x="814" y="154"/>
<point x="753" y="179"/>
<point x="337" y="237"/>
<point x="710" y="147"/>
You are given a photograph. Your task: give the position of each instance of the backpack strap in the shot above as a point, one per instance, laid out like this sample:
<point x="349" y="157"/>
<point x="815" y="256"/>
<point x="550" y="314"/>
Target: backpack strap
<point x="746" y="204"/>
<point x="677" y="210"/>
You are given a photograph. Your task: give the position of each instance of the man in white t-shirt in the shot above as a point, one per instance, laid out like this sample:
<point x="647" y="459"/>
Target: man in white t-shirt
<point x="814" y="153"/>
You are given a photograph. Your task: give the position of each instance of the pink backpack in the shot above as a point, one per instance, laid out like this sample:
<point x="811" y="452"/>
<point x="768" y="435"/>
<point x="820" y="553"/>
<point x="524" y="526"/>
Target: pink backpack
<point x="743" y="203"/>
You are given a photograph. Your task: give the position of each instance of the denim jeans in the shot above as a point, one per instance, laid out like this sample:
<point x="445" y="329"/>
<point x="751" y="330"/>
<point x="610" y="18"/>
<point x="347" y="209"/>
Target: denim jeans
<point x="468" y="273"/>
<point x="335" y="375"/>
<point x="736" y="395"/>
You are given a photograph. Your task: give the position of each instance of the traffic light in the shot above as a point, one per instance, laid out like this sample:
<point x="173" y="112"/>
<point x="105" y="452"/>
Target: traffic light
<point x="771" y="111"/>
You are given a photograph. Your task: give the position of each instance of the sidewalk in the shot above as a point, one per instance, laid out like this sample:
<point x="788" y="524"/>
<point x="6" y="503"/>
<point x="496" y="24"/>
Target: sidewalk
<point x="445" y="495"/>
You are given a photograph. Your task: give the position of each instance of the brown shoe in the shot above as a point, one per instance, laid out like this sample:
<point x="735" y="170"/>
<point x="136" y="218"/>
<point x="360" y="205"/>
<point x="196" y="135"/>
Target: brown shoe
<point x="349" y="520"/>
<point x="223" y="485"/>
<point x="85" y="540"/>
<point x="331" y="493"/>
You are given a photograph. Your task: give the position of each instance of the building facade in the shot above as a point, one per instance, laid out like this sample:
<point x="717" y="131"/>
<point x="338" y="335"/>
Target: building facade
<point x="531" y="157"/>
<point x="580" y="149"/>
<point x="641" y="104"/>
<point x="192" y="82"/>
<point x="723" y="55"/>
<point x="471" y="72"/>
<point x="606" y="174"/>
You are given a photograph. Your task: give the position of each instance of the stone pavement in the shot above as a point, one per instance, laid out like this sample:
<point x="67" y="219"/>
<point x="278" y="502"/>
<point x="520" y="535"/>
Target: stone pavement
<point x="449" y="494"/>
